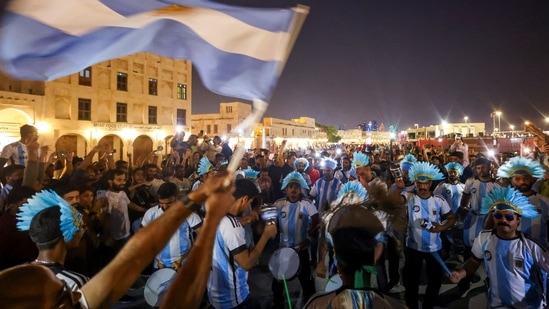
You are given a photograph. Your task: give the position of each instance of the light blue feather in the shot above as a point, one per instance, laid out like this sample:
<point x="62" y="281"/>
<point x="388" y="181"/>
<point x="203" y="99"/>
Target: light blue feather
<point x="521" y="166"/>
<point x="424" y="171"/>
<point x="360" y="159"/>
<point x="304" y="161"/>
<point x="454" y="166"/>
<point x="294" y="177"/>
<point x="204" y="166"/>
<point x="351" y="193"/>
<point x="70" y="218"/>
<point x="250" y="173"/>
<point x="508" y="198"/>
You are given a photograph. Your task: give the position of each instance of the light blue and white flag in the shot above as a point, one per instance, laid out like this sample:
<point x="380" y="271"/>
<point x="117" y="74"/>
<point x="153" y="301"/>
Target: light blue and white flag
<point x="238" y="52"/>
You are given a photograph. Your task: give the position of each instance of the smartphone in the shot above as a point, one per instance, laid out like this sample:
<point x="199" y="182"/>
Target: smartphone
<point x="101" y="194"/>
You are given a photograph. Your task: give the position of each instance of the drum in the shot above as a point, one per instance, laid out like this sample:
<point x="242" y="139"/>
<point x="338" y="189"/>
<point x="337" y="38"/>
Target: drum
<point x="157" y="285"/>
<point x="284" y="264"/>
<point x="334" y="283"/>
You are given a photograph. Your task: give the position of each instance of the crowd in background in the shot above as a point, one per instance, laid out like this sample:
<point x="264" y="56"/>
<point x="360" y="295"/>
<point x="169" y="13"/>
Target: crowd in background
<point x="113" y="197"/>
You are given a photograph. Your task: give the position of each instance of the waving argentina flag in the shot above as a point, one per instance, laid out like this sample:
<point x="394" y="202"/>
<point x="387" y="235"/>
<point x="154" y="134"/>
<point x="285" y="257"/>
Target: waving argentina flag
<point x="238" y="52"/>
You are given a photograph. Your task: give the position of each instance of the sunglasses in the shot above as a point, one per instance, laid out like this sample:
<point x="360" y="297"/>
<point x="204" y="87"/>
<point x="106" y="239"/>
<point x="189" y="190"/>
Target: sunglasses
<point x="508" y="217"/>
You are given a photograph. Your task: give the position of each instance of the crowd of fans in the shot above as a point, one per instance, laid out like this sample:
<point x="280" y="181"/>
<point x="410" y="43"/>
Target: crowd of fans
<point x="116" y="199"/>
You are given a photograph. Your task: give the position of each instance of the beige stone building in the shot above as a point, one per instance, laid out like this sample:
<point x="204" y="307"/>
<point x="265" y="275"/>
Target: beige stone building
<point x="299" y="132"/>
<point x="135" y="104"/>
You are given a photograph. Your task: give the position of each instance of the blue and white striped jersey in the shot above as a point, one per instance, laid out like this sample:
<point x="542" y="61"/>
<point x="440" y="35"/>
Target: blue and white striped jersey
<point x="228" y="282"/>
<point x="294" y="220"/>
<point x="180" y="242"/>
<point x="474" y="221"/>
<point x="421" y="211"/>
<point x="451" y="192"/>
<point x="515" y="268"/>
<point x="537" y="227"/>
<point x="324" y="191"/>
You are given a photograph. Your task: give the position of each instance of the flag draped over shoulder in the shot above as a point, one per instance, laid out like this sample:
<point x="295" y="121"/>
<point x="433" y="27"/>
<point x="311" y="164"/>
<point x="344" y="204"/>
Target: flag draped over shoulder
<point x="237" y="51"/>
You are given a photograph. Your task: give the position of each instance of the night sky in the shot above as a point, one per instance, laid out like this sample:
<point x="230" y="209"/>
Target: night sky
<point x="407" y="62"/>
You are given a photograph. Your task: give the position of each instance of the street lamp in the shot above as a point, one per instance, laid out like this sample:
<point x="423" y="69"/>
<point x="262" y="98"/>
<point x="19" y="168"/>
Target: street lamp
<point x="493" y="115"/>
<point x="512" y="127"/>
<point x="498" y="113"/>
<point x="465" y="119"/>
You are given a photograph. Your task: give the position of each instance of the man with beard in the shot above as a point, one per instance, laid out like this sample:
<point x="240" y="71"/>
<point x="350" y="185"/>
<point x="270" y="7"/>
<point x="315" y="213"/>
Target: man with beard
<point x="232" y="256"/>
<point x="458" y="157"/>
<point x="176" y="250"/>
<point x="514" y="261"/>
<point x="325" y="189"/>
<point x="522" y="173"/>
<point x="301" y="165"/>
<point x="298" y="221"/>
<point x="344" y="173"/>
<point x="428" y="216"/>
<point x="13" y="175"/>
<point x="153" y="183"/>
<point x="119" y="227"/>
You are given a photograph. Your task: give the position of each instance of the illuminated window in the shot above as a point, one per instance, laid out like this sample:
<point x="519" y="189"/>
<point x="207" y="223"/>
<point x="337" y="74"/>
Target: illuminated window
<point x="182" y="92"/>
<point x="121" y="81"/>
<point x="121" y="112"/>
<point x="84" y="109"/>
<point x="153" y="86"/>
<point x="85" y="77"/>
<point x="152" y="115"/>
<point x="181" y="117"/>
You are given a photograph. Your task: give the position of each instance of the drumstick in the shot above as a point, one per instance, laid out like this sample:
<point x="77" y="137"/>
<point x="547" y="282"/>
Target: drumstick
<point x="441" y="262"/>
<point x="287" y="291"/>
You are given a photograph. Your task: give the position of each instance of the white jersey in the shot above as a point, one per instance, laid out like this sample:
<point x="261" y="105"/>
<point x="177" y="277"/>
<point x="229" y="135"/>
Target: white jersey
<point x="294" y="220"/>
<point x="421" y="214"/>
<point x="228" y="282"/>
<point x="474" y="221"/>
<point x="515" y="268"/>
<point x="181" y="241"/>
<point x="537" y="227"/>
<point x="16" y="153"/>
<point x="451" y="192"/>
<point x="324" y="192"/>
<point x="118" y="210"/>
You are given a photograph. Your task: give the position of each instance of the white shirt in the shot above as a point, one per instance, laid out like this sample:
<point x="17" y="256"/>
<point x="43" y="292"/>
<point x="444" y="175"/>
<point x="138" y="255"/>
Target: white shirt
<point x="118" y="210"/>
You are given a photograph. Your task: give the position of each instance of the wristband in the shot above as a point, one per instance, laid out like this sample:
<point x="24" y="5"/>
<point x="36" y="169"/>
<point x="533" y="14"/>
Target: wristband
<point x="190" y="204"/>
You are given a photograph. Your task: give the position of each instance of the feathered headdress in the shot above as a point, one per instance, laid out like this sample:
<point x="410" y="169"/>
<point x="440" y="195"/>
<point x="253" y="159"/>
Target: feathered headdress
<point x="454" y="166"/>
<point x="294" y="177"/>
<point x="303" y="161"/>
<point x="521" y="166"/>
<point x="407" y="162"/>
<point x="204" y="166"/>
<point x="70" y="220"/>
<point x="250" y="174"/>
<point x="329" y="163"/>
<point x="353" y="192"/>
<point x="360" y="159"/>
<point x="507" y="198"/>
<point x="424" y="171"/>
